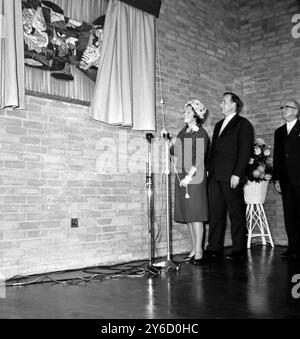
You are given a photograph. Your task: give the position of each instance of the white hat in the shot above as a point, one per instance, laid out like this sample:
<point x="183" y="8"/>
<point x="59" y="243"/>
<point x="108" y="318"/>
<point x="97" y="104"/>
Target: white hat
<point x="198" y="107"/>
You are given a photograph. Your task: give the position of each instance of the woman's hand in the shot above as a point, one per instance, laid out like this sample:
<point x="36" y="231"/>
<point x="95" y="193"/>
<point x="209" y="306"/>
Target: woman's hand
<point x="185" y="181"/>
<point x="172" y="141"/>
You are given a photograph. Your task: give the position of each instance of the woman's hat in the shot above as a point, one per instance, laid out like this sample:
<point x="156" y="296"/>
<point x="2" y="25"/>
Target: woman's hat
<point x="198" y="107"/>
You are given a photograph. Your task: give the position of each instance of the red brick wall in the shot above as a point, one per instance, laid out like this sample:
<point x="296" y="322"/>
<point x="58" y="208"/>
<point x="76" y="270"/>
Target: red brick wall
<point x="270" y="75"/>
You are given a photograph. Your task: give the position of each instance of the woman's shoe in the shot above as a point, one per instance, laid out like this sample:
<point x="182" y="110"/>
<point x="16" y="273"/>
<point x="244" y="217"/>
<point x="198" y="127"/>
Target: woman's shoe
<point x="188" y="258"/>
<point x="192" y="259"/>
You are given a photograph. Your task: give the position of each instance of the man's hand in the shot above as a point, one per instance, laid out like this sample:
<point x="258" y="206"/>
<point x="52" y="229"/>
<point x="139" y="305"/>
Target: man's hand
<point x="234" y="182"/>
<point x="277" y="186"/>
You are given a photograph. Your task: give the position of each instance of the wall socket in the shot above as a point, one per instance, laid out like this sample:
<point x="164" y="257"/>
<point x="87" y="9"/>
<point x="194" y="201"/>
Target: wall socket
<point x="74" y="223"/>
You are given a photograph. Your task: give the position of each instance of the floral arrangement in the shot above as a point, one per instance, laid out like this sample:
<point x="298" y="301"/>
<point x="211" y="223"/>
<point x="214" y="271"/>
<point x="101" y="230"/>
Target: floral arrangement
<point x="260" y="166"/>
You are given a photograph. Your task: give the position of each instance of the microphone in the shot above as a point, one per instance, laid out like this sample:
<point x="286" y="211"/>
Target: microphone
<point x="149" y="137"/>
<point x="164" y="134"/>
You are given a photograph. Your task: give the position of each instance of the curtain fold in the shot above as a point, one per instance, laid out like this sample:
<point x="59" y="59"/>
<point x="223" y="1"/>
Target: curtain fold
<point x="82" y="87"/>
<point x="83" y="10"/>
<point x="12" y="55"/>
<point x="124" y="94"/>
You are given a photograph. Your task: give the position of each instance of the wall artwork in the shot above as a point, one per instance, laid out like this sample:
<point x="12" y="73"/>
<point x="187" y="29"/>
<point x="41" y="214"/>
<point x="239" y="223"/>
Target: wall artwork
<point x="53" y="42"/>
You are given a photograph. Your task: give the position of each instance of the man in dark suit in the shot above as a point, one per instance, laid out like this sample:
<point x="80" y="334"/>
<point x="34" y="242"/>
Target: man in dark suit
<point x="228" y="159"/>
<point x="287" y="174"/>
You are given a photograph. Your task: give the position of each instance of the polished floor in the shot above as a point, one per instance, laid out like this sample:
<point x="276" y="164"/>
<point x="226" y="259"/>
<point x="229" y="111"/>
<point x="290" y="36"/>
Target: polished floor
<point x="260" y="287"/>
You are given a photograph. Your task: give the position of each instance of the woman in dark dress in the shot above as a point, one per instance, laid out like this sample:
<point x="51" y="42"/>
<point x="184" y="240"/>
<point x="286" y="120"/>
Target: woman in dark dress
<point x="191" y="201"/>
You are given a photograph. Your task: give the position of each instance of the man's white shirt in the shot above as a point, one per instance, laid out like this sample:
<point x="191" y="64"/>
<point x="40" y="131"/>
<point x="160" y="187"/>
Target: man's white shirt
<point x="290" y="125"/>
<point x="226" y="122"/>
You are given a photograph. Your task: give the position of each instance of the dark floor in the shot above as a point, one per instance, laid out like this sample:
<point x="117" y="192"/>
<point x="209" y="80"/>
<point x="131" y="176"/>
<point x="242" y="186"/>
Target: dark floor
<point x="257" y="288"/>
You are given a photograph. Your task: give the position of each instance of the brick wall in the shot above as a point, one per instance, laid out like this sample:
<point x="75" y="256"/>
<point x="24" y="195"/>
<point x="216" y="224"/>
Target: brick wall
<point x="200" y="58"/>
<point x="53" y="168"/>
<point x="270" y="75"/>
<point x="52" y="154"/>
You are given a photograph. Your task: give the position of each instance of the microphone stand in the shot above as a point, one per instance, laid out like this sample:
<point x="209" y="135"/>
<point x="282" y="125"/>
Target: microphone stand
<point x="167" y="264"/>
<point x="150" y="205"/>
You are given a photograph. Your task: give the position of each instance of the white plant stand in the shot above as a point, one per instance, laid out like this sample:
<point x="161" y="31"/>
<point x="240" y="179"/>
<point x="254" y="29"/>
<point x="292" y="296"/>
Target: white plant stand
<point x="257" y="223"/>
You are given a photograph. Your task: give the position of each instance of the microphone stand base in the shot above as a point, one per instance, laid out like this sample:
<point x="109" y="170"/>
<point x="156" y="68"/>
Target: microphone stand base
<point x="150" y="268"/>
<point x="167" y="265"/>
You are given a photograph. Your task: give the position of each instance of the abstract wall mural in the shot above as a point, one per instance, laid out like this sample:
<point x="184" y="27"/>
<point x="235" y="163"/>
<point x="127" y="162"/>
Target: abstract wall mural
<point x="54" y="42"/>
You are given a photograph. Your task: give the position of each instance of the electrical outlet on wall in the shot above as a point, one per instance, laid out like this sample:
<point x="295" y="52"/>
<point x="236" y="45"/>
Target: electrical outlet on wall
<point x="74" y="223"/>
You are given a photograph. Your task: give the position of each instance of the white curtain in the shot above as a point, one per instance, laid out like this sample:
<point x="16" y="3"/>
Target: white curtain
<point x="81" y="88"/>
<point x="11" y="54"/>
<point x="83" y="10"/>
<point x="125" y="88"/>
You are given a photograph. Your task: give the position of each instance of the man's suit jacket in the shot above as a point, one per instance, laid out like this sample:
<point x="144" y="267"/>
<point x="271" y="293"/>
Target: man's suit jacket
<point x="230" y="152"/>
<point x="287" y="155"/>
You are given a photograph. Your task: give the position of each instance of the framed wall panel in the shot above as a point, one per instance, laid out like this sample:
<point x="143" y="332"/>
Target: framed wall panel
<point x="40" y="82"/>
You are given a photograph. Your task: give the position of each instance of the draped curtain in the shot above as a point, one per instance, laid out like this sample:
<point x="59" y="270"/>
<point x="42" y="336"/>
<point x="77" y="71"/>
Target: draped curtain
<point x="125" y="88"/>
<point x="11" y="54"/>
<point x="81" y="88"/>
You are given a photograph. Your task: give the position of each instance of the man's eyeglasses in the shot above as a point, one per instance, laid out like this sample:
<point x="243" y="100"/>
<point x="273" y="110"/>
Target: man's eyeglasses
<point x="282" y="107"/>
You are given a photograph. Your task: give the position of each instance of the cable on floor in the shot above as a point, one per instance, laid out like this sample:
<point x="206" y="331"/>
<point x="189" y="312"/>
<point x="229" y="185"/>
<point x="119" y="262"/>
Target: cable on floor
<point x="126" y="270"/>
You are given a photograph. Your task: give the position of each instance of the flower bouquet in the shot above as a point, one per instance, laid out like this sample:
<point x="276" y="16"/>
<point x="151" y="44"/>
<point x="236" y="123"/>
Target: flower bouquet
<point x="259" y="173"/>
<point x="260" y="166"/>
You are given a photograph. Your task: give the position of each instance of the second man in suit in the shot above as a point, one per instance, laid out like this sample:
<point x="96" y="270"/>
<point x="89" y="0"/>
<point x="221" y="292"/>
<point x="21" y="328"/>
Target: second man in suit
<point x="287" y="174"/>
<point x="228" y="159"/>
